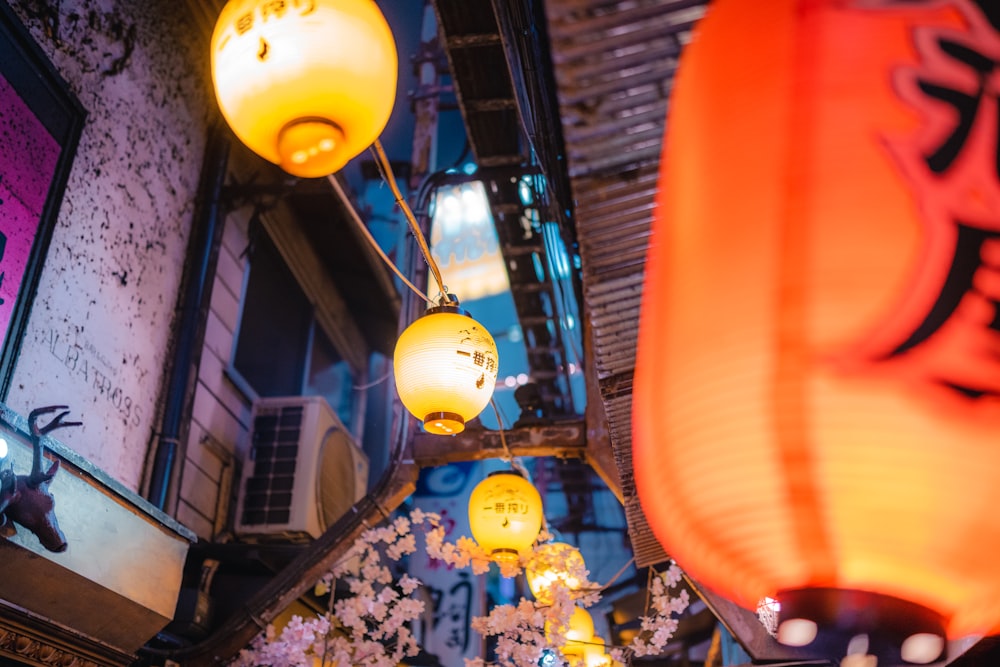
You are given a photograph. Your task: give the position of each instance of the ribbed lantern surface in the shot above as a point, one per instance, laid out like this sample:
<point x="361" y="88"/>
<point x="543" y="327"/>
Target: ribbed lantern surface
<point x="816" y="402"/>
<point x="446" y="369"/>
<point x="505" y="514"/>
<point x="305" y="85"/>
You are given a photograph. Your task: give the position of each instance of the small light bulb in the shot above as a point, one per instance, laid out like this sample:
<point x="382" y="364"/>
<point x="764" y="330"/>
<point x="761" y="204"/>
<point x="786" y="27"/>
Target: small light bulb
<point x="797" y="632"/>
<point x="922" y="648"/>
<point x="858" y="645"/>
<point x="859" y="660"/>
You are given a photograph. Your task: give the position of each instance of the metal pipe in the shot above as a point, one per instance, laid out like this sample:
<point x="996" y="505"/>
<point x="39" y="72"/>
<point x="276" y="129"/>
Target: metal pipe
<point x="192" y="312"/>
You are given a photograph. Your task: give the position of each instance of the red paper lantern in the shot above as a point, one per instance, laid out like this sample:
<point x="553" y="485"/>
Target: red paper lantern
<point x="816" y="408"/>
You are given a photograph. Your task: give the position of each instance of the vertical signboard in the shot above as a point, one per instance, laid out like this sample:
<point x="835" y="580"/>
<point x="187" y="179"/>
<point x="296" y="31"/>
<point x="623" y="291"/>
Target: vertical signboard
<point x="40" y="123"/>
<point x="455" y="595"/>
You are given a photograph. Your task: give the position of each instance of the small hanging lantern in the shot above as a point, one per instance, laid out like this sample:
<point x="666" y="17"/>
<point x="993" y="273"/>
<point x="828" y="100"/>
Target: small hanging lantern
<point x="505" y="514"/>
<point x="816" y="399"/>
<point x="554" y="562"/>
<point x="579" y="631"/>
<point x="446" y="369"/>
<point x="594" y="654"/>
<point x="306" y="85"/>
<point x="581" y="625"/>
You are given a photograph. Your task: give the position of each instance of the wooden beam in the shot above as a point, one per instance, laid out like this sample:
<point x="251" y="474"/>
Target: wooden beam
<point x="563" y="440"/>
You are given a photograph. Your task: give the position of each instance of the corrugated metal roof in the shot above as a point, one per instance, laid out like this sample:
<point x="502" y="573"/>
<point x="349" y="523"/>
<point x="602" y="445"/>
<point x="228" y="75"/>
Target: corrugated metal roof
<point x="614" y="63"/>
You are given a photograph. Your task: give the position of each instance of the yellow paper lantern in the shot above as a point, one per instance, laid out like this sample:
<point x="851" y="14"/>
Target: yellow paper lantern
<point x="553" y="562"/>
<point x="505" y="514"/>
<point x="581" y="626"/>
<point x="579" y="631"/>
<point x="304" y="85"/>
<point x="594" y="654"/>
<point x="446" y="369"/>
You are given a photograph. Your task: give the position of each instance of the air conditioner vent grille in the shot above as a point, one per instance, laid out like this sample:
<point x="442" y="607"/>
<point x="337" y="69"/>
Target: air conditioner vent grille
<point x="274" y="450"/>
<point x="301" y="472"/>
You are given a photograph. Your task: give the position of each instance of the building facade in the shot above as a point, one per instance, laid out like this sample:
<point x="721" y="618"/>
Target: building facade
<point x="158" y="281"/>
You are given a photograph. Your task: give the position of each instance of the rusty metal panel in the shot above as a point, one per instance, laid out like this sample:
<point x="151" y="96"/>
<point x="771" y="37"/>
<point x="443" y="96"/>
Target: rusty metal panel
<point x="614" y="65"/>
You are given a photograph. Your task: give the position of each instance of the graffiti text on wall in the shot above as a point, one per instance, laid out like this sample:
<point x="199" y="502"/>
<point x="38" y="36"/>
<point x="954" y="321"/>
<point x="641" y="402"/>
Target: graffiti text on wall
<point x="89" y="367"/>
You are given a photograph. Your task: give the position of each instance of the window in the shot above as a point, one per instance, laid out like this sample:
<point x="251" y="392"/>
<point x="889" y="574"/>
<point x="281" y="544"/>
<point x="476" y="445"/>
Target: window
<point x="330" y="376"/>
<point x="280" y="349"/>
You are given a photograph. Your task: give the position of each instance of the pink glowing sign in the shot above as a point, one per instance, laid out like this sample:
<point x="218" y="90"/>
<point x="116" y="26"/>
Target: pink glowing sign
<point x="29" y="156"/>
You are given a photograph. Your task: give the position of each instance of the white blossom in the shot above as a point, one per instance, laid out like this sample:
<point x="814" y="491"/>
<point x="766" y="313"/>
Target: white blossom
<point x="370" y="626"/>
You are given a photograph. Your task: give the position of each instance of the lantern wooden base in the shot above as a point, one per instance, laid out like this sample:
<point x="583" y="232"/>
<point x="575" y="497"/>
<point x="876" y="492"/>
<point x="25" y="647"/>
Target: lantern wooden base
<point x="504" y="555"/>
<point x="444" y="423"/>
<point x="310" y="147"/>
<point x="842" y="615"/>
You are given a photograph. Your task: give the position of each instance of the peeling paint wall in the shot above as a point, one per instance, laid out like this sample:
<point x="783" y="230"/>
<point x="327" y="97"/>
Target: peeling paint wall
<point x="100" y="326"/>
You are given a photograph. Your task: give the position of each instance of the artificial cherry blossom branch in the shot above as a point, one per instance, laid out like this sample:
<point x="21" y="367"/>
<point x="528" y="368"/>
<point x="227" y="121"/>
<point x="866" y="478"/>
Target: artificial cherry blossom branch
<point x="370" y="627"/>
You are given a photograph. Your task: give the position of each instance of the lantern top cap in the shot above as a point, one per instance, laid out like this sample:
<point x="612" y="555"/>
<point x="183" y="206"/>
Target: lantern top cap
<point x="512" y="471"/>
<point x="449" y="308"/>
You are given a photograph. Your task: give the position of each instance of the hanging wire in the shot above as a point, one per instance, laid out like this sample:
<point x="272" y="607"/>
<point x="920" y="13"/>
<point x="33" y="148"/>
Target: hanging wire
<point x="379" y="380"/>
<point x="374" y="244"/>
<point x="554" y="247"/>
<point x="618" y="574"/>
<point x="507" y="456"/>
<point x="382" y="161"/>
<point x="395" y="269"/>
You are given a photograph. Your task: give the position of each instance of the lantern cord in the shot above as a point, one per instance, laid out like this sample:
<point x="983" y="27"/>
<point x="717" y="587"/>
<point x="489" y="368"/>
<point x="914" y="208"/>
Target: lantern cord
<point x="507" y="456"/>
<point x="395" y="269"/>
<point x="374" y="244"/>
<point x="380" y="380"/>
<point x="386" y="170"/>
<point x="617" y="574"/>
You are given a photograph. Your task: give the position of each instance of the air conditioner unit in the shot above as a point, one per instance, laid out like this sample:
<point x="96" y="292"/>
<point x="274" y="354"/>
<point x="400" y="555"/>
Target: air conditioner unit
<point x="303" y="470"/>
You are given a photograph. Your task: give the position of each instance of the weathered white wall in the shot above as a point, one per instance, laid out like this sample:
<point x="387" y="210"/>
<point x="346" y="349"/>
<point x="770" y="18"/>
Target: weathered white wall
<point x="100" y="326"/>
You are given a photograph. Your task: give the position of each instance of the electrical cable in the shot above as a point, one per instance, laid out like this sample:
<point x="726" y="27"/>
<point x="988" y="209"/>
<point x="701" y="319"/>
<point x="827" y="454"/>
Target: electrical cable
<point x="374" y="244"/>
<point x="508" y="457"/>
<point x="618" y="574"/>
<point x="383" y="164"/>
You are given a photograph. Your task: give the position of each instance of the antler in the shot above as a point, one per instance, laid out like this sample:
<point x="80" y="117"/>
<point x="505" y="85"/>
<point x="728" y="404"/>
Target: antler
<point x="38" y="431"/>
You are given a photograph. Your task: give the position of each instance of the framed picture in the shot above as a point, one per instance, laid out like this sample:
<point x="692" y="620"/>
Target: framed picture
<point x="40" y="124"/>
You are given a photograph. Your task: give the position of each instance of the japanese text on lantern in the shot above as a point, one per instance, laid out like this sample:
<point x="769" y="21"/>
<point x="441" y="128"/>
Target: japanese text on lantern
<point x="953" y="168"/>
<point x="268" y="10"/>
<point x="510" y="508"/>
<point x="28" y="158"/>
<point x="473" y="338"/>
<point x="479" y="358"/>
